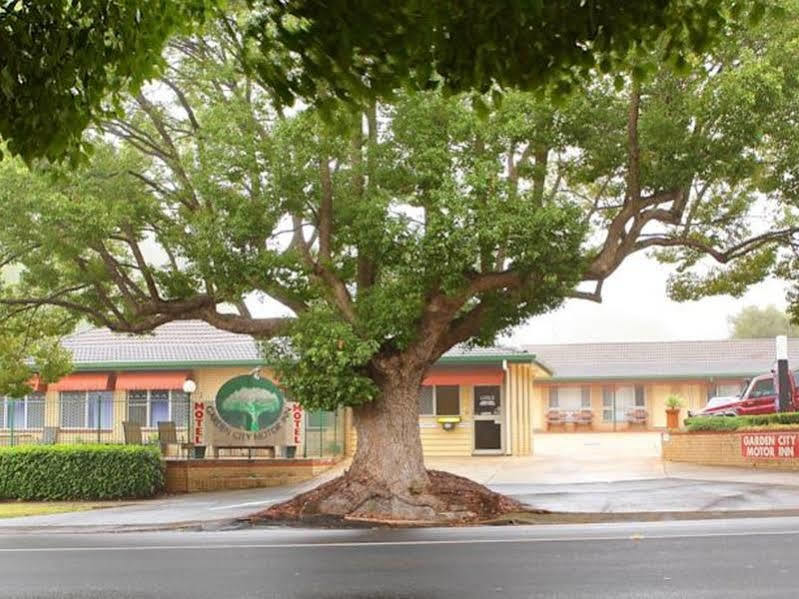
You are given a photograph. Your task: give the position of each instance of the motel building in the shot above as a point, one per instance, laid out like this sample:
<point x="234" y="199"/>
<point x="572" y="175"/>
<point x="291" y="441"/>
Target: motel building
<point x="213" y="396"/>
<point x="473" y="402"/>
<point x="624" y="386"/>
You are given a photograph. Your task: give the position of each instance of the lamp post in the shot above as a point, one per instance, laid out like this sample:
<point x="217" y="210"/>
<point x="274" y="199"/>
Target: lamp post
<point x="189" y="387"/>
<point x="783" y="383"/>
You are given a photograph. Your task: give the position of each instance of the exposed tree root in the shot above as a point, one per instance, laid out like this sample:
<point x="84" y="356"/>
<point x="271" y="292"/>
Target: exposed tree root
<point x="449" y="499"/>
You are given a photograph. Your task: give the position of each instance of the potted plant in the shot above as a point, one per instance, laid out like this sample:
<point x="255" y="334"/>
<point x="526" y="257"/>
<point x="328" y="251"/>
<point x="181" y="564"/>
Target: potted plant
<point x="673" y="405"/>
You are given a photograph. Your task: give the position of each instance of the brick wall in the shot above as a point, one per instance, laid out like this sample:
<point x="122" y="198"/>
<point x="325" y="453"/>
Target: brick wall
<point x="191" y="476"/>
<point x="721" y="449"/>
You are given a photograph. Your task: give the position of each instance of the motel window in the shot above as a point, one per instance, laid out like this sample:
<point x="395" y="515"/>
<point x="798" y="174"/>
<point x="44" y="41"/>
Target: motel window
<point x="640" y="396"/>
<point x="569" y="399"/>
<point x="85" y="409"/>
<point x="439" y="400"/>
<point x="319" y="419"/>
<point x="149" y="407"/>
<point x="27" y="412"/>
<point x="608" y="395"/>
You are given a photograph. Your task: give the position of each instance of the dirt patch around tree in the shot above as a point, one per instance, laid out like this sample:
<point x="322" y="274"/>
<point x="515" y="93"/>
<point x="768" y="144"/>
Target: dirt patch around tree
<point x="449" y="500"/>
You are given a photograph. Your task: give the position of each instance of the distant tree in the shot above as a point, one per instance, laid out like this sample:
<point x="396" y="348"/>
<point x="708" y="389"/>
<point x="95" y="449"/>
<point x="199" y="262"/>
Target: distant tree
<point x="754" y="322"/>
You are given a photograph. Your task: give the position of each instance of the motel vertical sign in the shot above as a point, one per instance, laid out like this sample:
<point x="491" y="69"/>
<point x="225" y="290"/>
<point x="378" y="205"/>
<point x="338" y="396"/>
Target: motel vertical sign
<point x="770" y="445"/>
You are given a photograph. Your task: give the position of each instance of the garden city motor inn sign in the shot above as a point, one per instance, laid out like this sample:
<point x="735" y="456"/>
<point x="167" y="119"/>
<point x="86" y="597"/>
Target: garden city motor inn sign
<point x="770" y="445"/>
<point x="249" y="411"/>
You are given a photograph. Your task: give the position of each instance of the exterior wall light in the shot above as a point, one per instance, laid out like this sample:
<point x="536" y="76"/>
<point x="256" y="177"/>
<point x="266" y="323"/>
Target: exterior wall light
<point x="448" y="422"/>
<point x="189" y="386"/>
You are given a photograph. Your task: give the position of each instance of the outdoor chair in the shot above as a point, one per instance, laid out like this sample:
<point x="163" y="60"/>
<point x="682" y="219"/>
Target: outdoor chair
<point x="49" y="435"/>
<point x="132" y="432"/>
<point x="585" y="418"/>
<point x="168" y="435"/>
<point x="555" y="418"/>
<point x="637" y="417"/>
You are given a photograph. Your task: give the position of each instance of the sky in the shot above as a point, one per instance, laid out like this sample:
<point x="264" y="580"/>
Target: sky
<point x="635" y="308"/>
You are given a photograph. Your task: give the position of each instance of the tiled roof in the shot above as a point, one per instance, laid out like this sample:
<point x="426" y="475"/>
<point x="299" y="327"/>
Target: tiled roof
<point x="736" y="357"/>
<point x="196" y="342"/>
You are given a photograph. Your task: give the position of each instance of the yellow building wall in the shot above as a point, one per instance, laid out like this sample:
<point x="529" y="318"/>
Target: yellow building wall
<point x="209" y="380"/>
<point x="436" y="442"/>
<point x="518" y="393"/>
<point x="693" y="394"/>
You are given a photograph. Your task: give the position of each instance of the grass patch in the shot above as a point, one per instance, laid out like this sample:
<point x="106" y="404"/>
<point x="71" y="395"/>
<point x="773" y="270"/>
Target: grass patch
<point x="16" y="509"/>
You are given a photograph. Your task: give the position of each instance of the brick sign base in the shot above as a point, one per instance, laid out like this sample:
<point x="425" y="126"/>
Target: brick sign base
<point x="767" y="449"/>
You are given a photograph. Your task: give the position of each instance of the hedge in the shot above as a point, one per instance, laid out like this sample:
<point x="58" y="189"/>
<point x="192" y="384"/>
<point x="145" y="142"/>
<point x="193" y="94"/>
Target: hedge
<point x="731" y="423"/>
<point x="80" y="472"/>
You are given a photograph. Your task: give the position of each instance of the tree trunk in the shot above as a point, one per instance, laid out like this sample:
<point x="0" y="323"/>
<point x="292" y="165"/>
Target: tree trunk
<point x="387" y="480"/>
<point x="387" y="477"/>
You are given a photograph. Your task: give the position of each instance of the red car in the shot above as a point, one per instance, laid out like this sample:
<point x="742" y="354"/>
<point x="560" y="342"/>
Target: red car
<point x="759" y="397"/>
<point x="719" y="406"/>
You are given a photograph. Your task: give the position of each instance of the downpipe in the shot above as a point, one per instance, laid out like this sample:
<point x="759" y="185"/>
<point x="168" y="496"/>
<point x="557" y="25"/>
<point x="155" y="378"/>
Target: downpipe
<point x="506" y="411"/>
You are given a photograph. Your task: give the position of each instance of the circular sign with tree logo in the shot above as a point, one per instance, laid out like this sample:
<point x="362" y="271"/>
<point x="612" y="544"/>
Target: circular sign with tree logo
<point x="249" y="403"/>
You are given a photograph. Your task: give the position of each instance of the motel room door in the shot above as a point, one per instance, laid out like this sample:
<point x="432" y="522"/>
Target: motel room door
<point x="488" y="419"/>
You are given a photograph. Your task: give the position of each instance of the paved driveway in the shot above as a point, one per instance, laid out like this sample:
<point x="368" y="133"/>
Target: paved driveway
<point x="622" y="472"/>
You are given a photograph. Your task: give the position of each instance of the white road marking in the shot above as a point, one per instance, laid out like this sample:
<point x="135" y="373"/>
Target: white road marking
<point x="340" y="544"/>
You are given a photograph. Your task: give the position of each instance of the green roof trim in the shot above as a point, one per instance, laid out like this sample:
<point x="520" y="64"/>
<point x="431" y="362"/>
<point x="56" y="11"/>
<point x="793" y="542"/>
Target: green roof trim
<point x="133" y="366"/>
<point x="488" y="359"/>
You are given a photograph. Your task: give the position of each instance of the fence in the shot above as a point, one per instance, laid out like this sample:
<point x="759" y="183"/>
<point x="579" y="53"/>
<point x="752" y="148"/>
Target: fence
<point x="97" y="417"/>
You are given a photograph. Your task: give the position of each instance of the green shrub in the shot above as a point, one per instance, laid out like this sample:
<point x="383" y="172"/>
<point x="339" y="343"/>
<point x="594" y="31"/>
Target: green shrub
<point x="731" y="423"/>
<point x="80" y="472"/>
<point x="713" y="423"/>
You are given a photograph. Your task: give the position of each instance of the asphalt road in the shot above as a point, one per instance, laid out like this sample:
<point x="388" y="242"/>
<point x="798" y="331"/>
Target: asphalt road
<point x="718" y="558"/>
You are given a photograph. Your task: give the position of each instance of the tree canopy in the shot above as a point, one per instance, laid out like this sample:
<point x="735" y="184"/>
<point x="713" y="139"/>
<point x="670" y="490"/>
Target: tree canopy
<point x="390" y="236"/>
<point x="754" y="322"/>
<point x="358" y="51"/>
<point x="63" y="64"/>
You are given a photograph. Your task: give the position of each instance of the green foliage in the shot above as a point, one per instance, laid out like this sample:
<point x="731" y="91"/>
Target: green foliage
<point x="323" y="363"/>
<point x="674" y="402"/>
<point x="714" y="423"/>
<point x="753" y="322"/>
<point x="731" y="423"/>
<point x="362" y="50"/>
<point x="80" y="472"/>
<point x="60" y="60"/>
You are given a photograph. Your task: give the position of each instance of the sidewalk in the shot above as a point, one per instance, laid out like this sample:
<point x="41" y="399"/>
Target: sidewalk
<point x="207" y="509"/>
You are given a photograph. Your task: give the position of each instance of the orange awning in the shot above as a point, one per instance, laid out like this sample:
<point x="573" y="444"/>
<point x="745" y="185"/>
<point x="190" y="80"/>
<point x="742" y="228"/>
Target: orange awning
<point x="465" y="377"/>
<point x="150" y="380"/>
<point x="83" y="381"/>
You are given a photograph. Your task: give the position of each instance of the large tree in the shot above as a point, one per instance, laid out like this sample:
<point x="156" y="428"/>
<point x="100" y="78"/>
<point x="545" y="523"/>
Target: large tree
<point x="391" y="235"/>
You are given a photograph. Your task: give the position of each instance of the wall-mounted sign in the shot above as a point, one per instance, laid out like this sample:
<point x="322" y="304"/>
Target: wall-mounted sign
<point x="770" y="445"/>
<point x="250" y="411"/>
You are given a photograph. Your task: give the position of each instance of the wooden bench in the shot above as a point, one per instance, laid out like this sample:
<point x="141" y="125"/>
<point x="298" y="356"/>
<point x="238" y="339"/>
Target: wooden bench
<point x="277" y="450"/>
